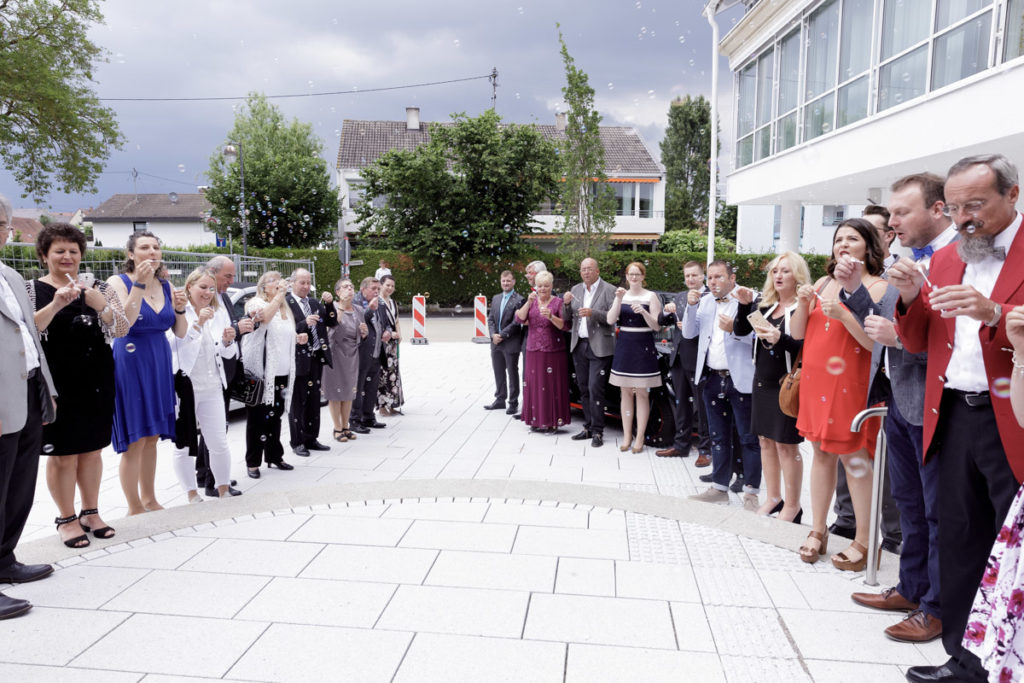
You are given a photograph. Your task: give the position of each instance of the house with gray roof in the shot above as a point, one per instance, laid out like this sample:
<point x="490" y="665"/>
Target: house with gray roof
<point x="637" y="179"/>
<point x="178" y="219"/>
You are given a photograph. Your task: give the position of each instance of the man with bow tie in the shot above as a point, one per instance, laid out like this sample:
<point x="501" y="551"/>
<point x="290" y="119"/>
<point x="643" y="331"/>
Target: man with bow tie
<point x="898" y="379"/>
<point x="956" y="315"/>
<point x="727" y="361"/>
<point x="506" y="343"/>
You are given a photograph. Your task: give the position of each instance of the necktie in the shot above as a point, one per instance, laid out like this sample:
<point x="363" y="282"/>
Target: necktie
<point x="501" y="311"/>
<point x="314" y="338"/>
<point x="923" y="252"/>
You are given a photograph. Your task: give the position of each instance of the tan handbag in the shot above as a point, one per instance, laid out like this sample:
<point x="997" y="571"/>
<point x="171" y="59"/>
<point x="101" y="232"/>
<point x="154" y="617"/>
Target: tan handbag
<point x="789" y="389"/>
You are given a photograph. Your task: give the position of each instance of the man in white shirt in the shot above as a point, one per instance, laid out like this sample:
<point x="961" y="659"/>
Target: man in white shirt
<point x="25" y="405"/>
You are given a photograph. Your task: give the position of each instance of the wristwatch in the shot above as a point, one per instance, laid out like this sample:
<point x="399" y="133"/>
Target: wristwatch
<point x="996" y="316"/>
<point x="140" y="285"/>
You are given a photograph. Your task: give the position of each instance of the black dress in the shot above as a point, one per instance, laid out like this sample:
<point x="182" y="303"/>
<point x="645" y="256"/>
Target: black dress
<point x="82" y="365"/>
<point x="770" y="365"/>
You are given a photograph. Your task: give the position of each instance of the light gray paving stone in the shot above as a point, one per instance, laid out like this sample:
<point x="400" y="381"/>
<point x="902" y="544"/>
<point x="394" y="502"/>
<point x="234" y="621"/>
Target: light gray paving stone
<point x="607" y="519"/>
<point x="437" y="609"/>
<point x="495" y="538"/>
<point x="831" y="592"/>
<point x="188" y="594"/>
<point x="370" y="563"/>
<point x="80" y="586"/>
<point x="442" y="657"/>
<point x="655" y="581"/>
<point x="278" y="528"/>
<point x="655" y="539"/>
<point x="580" y="576"/>
<point x="318" y="601"/>
<point x="764" y="669"/>
<point x="290" y="652"/>
<point x="493" y="570"/>
<point x="750" y="632"/>
<point x="783" y="589"/>
<point x="168" y="554"/>
<point x="731" y="586"/>
<point x="840" y="672"/>
<point x="28" y="673"/>
<point x="693" y="632"/>
<point x="462" y="511"/>
<point x="500" y="513"/>
<point x="47" y="635"/>
<point x="357" y="530"/>
<point x="141" y="643"/>
<point x="848" y="636"/>
<point x="353" y="510"/>
<point x="713" y="548"/>
<point x="609" y="664"/>
<point x="598" y="620"/>
<point x="261" y="558"/>
<point x="596" y="543"/>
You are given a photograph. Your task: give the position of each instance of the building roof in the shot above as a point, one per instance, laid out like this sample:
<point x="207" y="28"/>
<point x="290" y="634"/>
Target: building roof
<point x="27" y="227"/>
<point x="127" y="207"/>
<point x="362" y="142"/>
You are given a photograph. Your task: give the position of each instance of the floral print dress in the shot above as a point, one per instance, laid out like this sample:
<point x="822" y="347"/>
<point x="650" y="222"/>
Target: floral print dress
<point x="995" y="627"/>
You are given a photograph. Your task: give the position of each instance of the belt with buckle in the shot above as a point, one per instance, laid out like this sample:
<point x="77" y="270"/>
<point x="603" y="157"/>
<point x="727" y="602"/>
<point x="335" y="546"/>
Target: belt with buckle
<point x="720" y="373"/>
<point x="974" y="399"/>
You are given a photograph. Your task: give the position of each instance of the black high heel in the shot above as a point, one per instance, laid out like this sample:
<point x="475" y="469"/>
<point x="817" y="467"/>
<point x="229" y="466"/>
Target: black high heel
<point x="281" y="465"/>
<point x="778" y="507"/>
<point x="105" y="532"/>
<point x="75" y="542"/>
<point x="799" y="516"/>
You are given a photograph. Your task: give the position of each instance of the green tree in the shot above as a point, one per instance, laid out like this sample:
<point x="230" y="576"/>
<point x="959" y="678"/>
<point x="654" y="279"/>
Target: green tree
<point x="588" y="203"/>
<point x="289" y="201"/>
<point x="689" y="241"/>
<point x="725" y="223"/>
<point x="53" y="129"/>
<point x="686" y="154"/>
<point x="470" y="191"/>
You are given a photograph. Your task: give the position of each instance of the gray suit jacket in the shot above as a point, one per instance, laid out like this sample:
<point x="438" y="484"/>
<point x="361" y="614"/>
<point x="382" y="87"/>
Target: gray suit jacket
<point x="12" y="360"/>
<point x="508" y="327"/>
<point x="600" y="334"/>
<point x="907" y="371"/>
<point x="699" y="322"/>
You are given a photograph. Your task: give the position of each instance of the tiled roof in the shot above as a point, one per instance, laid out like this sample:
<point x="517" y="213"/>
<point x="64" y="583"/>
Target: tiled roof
<point x="122" y="207"/>
<point x="625" y="151"/>
<point x="28" y="227"/>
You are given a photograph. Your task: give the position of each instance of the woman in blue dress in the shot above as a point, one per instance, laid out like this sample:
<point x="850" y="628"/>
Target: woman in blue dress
<point x="635" y="363"/>
<point x="143" y="379"/>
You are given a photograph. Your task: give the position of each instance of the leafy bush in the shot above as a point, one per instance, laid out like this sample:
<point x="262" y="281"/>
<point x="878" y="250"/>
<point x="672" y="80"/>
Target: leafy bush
<point x="678" y="241"/>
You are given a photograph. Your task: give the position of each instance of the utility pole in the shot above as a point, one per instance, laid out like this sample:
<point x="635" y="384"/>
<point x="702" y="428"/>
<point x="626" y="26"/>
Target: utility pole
<point x="494" y="86"/>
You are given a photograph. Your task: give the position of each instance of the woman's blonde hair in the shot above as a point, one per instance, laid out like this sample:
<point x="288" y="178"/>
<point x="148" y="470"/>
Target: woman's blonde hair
<point x="261" y="289"/>
<point x="801" y="273"/>
<point x="194" y="277"/>
<point x="544" y="275"/>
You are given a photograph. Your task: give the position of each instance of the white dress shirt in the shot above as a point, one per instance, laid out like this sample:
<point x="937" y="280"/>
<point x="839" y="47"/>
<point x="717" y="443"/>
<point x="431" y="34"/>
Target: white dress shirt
<point x="588" y="299"/>
<point x="717" y="360"/>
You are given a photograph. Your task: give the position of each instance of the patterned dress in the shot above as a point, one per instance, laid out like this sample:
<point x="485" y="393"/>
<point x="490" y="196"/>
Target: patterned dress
<point x="389" y="393"/>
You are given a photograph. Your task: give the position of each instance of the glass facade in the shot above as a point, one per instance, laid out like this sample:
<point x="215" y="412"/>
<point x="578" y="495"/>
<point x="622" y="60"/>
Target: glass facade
<point x="844" y="60"/>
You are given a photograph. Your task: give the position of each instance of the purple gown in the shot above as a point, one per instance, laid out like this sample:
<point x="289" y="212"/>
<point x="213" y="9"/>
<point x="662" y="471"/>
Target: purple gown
<point x="546" y="381"/>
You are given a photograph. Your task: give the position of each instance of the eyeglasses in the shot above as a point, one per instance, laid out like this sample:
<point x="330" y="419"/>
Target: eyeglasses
<point x="970" y="207"/>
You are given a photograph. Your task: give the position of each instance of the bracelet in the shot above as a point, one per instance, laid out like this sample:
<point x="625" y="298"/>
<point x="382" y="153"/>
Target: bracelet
<point x="1018" y="365"/>
<point x="181" y="312"/>
<point x="139" y="285"/>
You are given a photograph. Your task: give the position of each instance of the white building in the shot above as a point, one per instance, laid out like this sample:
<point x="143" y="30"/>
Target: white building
<point x="836" y="99"/>
<point x="638" y="180"/>
<point x="179" y="220"/>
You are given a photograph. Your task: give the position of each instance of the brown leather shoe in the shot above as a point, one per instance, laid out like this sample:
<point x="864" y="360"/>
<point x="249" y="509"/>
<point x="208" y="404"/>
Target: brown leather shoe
<point x="889" y="600"/>
<point x="918" y="627"/>
<point x="669" y="453"/>
<point x="703" y="461"/>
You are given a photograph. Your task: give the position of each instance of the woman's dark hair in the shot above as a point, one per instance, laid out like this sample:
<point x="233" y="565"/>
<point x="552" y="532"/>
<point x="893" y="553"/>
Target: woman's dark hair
<point x="874" y="260"/>
<point x="129" y="263"/>
<point x="385" y="278"/>
<point x="58" y="232"/>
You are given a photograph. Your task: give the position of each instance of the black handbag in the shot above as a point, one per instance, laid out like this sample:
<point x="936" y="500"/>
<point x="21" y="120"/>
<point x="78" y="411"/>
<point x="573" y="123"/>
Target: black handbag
<point x="246" y="387"/>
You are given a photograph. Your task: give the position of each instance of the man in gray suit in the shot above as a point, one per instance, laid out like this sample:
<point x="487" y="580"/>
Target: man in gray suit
<point x="585" y="311"/>
<point x="898" y="378"/>
<point x="25" y="405"/>
<point x="506" y="343"/>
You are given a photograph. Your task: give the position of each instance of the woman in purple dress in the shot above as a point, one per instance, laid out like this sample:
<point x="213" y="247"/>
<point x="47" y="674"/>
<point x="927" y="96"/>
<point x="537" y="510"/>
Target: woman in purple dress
<point x="546" y="377"/>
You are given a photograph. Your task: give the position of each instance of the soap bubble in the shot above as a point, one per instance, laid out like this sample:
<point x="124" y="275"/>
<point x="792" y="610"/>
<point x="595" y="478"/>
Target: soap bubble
<point x="549" y="371"/>
<point x="48" y="448"/>
<point x="181" y="168"/>
<point x="263" y="437"/>
<point x="129" y="347"/>
<point x="1001" y="387"/>
<point x="835" y="365"/>
<point x="858" y="468"/>
<point x="458" y="308"/>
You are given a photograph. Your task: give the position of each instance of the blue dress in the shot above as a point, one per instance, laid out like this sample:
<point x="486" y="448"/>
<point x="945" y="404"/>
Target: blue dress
<point x="143" y="378"/>
<point x="635" y="363"/>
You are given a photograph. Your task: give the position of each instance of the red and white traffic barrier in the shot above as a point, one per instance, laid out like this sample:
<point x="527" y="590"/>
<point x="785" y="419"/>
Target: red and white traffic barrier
<point x="480" y="335"/>
<point x="419" y="319"/>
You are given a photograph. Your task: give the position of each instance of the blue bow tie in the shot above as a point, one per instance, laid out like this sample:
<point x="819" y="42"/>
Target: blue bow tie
<point x="922" y="252"/>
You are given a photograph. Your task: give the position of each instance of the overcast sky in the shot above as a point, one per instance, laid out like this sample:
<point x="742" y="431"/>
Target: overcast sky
<point x="638" y="54"/>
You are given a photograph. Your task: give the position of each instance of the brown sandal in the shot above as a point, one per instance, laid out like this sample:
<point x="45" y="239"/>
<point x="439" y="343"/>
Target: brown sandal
<point x="810" y="554"/>
<point x="843" y="562"/>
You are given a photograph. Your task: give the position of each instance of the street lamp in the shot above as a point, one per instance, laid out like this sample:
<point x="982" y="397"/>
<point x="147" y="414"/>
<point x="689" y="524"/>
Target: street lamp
<point x="232" y="151"/>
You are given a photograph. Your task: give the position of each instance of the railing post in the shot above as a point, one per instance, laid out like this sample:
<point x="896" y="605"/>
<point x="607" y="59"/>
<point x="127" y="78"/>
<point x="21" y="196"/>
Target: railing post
<point x="871" y="573"/>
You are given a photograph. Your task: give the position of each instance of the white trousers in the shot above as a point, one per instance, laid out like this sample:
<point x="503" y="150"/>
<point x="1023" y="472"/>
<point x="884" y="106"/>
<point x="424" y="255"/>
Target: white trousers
<point x="213" y="424"/>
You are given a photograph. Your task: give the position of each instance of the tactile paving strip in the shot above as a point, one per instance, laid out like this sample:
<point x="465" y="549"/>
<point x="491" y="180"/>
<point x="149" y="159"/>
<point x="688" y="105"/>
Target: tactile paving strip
<point x="655" y="539"/>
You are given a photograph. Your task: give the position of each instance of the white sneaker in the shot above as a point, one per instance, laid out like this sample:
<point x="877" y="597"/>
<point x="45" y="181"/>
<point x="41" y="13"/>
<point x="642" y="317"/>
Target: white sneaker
<point x="712" y="495"/>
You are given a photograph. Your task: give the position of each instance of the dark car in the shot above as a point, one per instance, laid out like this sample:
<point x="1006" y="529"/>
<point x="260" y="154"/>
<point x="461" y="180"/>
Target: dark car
<point x="661" y="425"/>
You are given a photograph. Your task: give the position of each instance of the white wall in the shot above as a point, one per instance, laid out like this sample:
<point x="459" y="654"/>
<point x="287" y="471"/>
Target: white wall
<point x="176" y="235"/>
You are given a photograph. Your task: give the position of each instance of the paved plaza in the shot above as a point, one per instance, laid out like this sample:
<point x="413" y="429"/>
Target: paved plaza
<point x="453" y="545"/>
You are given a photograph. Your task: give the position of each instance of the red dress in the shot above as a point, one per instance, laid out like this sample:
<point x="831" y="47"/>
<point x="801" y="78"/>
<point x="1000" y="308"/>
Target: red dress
<point x="834" y="386"/>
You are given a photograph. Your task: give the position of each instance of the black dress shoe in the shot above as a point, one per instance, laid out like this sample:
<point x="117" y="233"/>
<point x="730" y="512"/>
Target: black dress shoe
<point x="13" y="607"/>
<point x="581" y="435"/>
<point x="598" y="440"/>
<point x="518" y="417"/>
<point x="253" y="472"/>
<point x="512" y="408"/>
<point x="706" y="478"/>
<point x="317" y="446"/>
<point x="844" y="531"/>
<point x="358" y="428"/>
<point x="23" y="573"/>
<point x="212" y="492"/>
<point x="376" y="425"/>
<point x="233" y="482"/>
<point x="497" y="405"/>
<point x="281" y="465"/>
<point x="923" y="674"/>
<point x="737" y="484"/>
<point x="301" y="451"/>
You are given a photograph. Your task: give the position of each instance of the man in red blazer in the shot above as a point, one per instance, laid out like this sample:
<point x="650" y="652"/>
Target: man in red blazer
<point x="956" y="314"/>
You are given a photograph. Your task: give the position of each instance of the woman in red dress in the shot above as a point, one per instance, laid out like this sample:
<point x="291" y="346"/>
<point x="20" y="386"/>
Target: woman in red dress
<point x="834" y="386"/>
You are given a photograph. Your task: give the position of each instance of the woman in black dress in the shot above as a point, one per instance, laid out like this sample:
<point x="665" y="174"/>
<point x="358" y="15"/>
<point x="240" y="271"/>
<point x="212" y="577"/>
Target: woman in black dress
<point x="775" y="353"/>
<point x="77" y="318"/>
<point x="390" y="397"/>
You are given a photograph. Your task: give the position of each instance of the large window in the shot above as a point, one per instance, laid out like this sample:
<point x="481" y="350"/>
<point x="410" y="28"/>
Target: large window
<point x="646" y="197"/>
<point x="835" y="65"/>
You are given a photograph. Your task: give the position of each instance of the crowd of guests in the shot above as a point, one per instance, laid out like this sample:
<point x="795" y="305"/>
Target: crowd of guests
<point x="937" y="338"/>
<point x="134" y="360"/>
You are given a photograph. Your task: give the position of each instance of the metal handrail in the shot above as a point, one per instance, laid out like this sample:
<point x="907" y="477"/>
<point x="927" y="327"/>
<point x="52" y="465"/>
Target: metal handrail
<point x="871" y="573"/>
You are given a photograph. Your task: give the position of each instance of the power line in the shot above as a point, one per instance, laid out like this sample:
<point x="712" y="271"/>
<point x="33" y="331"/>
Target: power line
<point x="275" y="97"/>
<point x="149" y="175"/>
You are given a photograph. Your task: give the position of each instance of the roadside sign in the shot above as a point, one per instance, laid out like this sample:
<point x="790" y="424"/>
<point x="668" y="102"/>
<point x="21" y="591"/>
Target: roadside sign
<point x="222" y="241"/>
<point x="357" y="262"/>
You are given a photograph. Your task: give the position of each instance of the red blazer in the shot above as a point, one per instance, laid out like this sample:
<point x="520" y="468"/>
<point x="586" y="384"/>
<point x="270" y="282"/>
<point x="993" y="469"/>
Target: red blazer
<point x="922" y="329"/>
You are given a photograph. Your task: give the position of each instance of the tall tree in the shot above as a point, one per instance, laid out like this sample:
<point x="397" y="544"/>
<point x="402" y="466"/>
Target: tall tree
<point x="288" y="198"/>
<point x="53" y="129"/>
<point x="686" y="154"/>
<point x="470" y="191"/>
<point x="588" y="203"/>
